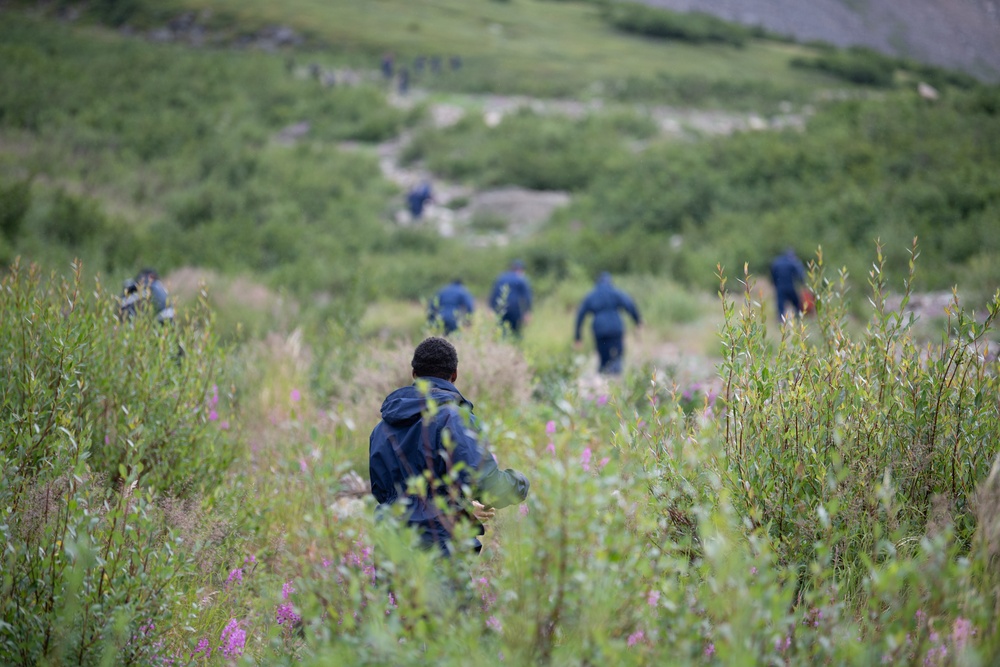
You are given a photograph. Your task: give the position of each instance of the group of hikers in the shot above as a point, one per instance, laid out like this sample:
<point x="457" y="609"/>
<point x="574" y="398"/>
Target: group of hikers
<point x="511" y="300"/>
<point x="428" y="429"/>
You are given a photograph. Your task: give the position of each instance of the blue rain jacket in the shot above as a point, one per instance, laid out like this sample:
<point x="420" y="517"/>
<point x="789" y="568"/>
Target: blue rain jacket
<point x="410" y="442"/>
<point x="451" y="305"/>
<point x="604" y="302"/>
<point x="511" y="296"/>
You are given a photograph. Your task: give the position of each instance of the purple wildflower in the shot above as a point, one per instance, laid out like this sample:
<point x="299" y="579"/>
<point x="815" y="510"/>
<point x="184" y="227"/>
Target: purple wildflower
<point x="235" y="576"/>
<point x="295" y="395"/>
<point x="286" y="590"/>
<point x="250" y="559"/>
<point x="224" y="425"/>
<point x="392" y="604"/>
<point x="585" y="459"/>
<point x="602" y="400"/>
<point x="233" y="639"/>
<point x="203" y="647"/>
<point x="653" y="598"/>
<point x="551" y="449"/>
<point x="603" y="462"/>
<point x="550" y="428"/>
<point x="213" y="415"/>
<point x="635" y="638"/>
<point x="710" y="650"/>
<point x="523" y="509"/>
<point x="961" y="632"/>
<point x="493" y="623"/>
<point x="286" y="615"/>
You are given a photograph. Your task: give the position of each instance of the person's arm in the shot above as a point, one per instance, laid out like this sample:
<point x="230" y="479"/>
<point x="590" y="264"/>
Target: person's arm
<point x="470" y="303"/>
<point x="631" y="308"/>
<point x="490" y="485"/>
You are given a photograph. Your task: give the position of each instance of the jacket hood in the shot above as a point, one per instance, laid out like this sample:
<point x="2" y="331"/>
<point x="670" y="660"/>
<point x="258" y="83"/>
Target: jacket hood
<point x="406" y="404"/>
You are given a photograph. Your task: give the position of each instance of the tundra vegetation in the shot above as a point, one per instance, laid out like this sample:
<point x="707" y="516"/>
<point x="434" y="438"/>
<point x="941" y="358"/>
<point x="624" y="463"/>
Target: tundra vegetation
<point x="826" y="492"/>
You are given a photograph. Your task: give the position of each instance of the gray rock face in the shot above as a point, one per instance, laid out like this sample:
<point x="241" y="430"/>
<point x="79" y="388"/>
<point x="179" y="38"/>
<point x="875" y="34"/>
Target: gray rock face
<point x="961" y="34"/>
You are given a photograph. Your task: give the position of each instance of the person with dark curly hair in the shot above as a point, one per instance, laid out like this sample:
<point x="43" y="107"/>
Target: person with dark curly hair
<point x="428" y="432"/>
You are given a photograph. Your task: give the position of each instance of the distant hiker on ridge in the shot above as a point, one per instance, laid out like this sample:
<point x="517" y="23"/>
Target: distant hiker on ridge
<point x="604" y="302"/>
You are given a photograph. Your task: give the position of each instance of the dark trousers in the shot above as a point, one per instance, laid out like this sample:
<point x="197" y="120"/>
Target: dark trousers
<point x="610" y="350"/>
<point x="786" y="297"/>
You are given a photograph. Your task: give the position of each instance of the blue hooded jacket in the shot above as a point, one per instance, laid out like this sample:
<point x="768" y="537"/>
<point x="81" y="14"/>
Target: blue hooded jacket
<point x="787" y="272"/>
<point x="604" y="302"/>
<point x="414" y="439"/>
<point x="511" y="296"/>
<point x="451" y="305"/>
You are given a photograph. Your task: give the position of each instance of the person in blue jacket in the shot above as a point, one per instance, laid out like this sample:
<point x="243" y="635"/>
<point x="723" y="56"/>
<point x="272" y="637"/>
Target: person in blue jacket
<point x="787" y="274"/>
<point x="451" y="307"/>
<point x="428" y="431"/>
<point x="604" y="302"/>
<point x="417" y="198"/>
<point x="510" y="298"/>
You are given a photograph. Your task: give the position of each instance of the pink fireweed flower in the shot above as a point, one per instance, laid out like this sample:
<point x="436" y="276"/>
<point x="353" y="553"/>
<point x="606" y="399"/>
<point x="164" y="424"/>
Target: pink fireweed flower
<point x="753" y="569"/>
<point x="295" y="395"/>
<point x="303" y="466"/>
<point x="285" y="615"/>
<point x="653" y="598"/>
<point x="213" y="415"/>
<point x="204" y="647"/>
<point x="233" y="639"/>
<point x="603" y="462"/>
<point x="493" y="623"/>
<point x="550" y="428"/>
<point x="523" y="509"/>
<point x="392" y="604"/>
<point x="235" y="576"/>
<point x="635" y="638"/>
<point x="602" y="400"/>
<point x="286" y="590"/>
<point x="551" y="449"/>
<point x="224" y="425"/>
<point x="250" y="559"/>
<point x="710" y="650"/>
<point x="585" y="459"/>
<point x="961" y="632"/>
<point x="782" y="645"/>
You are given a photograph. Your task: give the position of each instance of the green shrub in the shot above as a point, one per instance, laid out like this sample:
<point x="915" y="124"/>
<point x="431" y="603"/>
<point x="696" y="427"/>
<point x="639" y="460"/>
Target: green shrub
<point x="695" y="27"/>
<point x="128" y="393"/>
<point x="100" y="418"/>
<point x="877" y="429"/>
<point x="15" y="200"/>
<point x="857" y="65"/>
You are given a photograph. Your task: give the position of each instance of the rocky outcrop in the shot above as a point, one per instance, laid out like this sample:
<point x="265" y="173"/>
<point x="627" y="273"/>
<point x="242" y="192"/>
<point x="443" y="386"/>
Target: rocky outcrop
<point x="960" y="34"/>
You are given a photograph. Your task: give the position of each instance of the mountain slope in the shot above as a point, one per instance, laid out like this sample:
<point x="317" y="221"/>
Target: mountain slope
<point x="963" y="34"/>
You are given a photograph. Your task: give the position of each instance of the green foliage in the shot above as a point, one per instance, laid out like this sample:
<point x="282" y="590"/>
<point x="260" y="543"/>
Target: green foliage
<point x="129" y="394"/>
<point x="15" y="200"/>
<point x="694" y="27"/>
<point x="857" y="65"/>
<point x="528" y="149"/>
<point x="884" y="437"/>
<point x="99" y="419"/>
<point x="890" y="169"/>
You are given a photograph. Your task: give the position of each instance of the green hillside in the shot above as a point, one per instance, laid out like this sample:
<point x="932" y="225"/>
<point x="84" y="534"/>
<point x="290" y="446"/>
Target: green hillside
<point x="819" y="491"/>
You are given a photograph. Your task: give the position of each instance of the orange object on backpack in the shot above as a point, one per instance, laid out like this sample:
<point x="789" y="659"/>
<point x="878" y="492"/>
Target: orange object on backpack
<point x="808" y="302"/>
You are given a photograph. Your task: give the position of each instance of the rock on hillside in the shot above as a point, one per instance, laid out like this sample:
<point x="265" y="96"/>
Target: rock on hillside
<point x="960" y="34"/>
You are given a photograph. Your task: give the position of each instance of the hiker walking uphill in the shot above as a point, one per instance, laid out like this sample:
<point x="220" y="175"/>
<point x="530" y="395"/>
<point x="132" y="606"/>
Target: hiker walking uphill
<point x="604" y="302"/>
<point x="451" y="307"/>
<point x="442" y="445"/>
<point x="787" y="274"/>
<point x="510" y="298"/>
